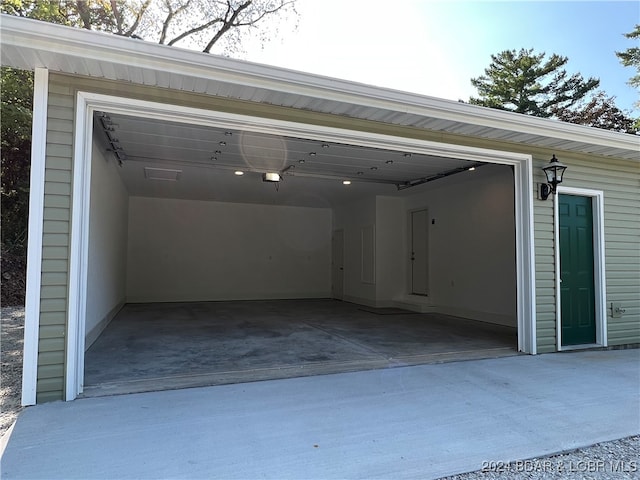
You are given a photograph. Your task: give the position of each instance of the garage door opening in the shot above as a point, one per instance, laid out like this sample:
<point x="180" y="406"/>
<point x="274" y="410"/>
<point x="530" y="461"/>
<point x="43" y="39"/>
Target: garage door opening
<point x="192" y="237"/>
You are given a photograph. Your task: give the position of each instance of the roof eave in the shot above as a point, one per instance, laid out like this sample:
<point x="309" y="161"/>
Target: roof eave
<point x="32" y="35"/>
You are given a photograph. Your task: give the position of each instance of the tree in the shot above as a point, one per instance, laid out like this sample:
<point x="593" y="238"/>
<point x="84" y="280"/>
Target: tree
<point x="194" y="24"/>
<point x="15" y="145"/>
<point x="631" y="58"/>
<point x="599" y="111"/>
<point x="525" y="82"/>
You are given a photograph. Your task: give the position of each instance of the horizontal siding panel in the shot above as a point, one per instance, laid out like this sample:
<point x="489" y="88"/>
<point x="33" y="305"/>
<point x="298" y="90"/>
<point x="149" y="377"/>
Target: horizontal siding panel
<point x="62" y="113"/>
<point x="48" y="396"/>
<point x="55" y="150"/>
<point x="55" y="266"/>
<point x="59" y="138"/>
<point x="55" y="253"/>
<point x="51" y="358"/>
<point x="53" y="305"/>
<point x="60" y="176"/>
<point x="50" y="371"/>
<point x="52" y="331"/>
<point x="50" y="385"/>
<point x="53" y="291"/>
<point x="59" y="87"/>
<point x="59" y="163"/>
<point x="60" y="100"/>
<point x="56" y="214"/>
<point x="62" y="126"/>
<point x="55" y="239"/>
<point x="54" y="278"/>
<point x="54" y="226"/>
<point x="54" y="188"/>
<point x="56" y="320"/>
<point x="57" y="201"/>
<point x="51" y="345"/>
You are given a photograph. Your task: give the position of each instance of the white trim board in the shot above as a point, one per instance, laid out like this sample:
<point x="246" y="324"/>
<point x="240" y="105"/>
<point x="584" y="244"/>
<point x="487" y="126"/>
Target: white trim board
<point x="600" y="282"/>
<point x="34" y="242"/>
<point x="87" y="103"/>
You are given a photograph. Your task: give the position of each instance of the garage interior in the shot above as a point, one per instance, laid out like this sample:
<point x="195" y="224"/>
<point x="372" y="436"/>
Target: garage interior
<point x="203" y="270"/>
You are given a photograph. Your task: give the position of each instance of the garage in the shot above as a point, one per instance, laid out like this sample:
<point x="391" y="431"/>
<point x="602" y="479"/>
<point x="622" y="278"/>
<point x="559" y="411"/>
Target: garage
<point x="226" y="249"/>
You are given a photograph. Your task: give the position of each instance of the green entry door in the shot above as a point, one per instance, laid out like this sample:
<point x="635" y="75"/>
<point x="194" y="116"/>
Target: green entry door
<point x="577" y="290"/>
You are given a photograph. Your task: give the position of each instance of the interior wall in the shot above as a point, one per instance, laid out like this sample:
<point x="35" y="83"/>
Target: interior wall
<point x="185" y="250"/>
<point x="358" y="221"/>
<point x="391" y="249"/>
<point x="106" y="269"/>
<point x="472" y="243"/>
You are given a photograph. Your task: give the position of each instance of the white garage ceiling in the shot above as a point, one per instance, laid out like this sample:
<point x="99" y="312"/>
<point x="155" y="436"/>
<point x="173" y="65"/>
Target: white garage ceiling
<point x="177" y="160"/>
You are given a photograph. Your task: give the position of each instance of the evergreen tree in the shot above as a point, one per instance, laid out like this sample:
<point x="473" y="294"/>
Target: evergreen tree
<point x="525" y="82"/>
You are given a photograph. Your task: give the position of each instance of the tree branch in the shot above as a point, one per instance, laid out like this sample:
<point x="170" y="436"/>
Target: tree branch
<point x="139" y="16"/>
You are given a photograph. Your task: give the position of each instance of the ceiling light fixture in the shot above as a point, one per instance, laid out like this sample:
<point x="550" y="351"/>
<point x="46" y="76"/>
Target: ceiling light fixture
<point x="271" y="177"/>
<point x="471" y="169"/>
<point x="325" y="145"/>
<point x="239" y="173"/>
<point x="389" y="162"/>
<point x="346" y="182"/>
<point x="360" y="173"/>
<point x="407" y="155"/>
<point x="223" y="143"/>
<point x="228" y="134"/>
<point x="312" y="154"/>
<point x="374" y="168"/>
<point x="301" y="161"/>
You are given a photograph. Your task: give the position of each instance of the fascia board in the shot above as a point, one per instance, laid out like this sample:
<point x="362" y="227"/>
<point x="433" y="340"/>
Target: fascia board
<point x="104" y="47"/>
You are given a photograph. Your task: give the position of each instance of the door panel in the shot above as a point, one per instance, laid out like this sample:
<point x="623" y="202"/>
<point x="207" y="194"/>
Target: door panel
<point x="337" y="264"/>
<point x="577" y="288"/>
<point x="419" y="252"/>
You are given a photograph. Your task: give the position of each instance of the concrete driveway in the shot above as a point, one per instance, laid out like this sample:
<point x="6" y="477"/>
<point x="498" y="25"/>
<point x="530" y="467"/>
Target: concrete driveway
<point x="422" y="421"/>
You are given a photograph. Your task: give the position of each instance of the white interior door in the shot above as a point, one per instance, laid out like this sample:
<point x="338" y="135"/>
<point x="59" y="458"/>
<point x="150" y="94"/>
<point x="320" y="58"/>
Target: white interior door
<point x="419" y="252"/>
<point x="337" y="264"/>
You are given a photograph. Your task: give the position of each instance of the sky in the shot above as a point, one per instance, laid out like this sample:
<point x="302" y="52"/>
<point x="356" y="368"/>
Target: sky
<point x="434" y="47"/>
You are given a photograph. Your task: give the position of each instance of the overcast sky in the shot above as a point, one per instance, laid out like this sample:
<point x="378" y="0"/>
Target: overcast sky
<point x="434" y="47"/>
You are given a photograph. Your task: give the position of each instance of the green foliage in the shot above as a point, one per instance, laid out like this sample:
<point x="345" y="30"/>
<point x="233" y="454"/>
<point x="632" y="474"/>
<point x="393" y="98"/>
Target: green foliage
<point x="631" y="58"/>
<point x="525" y="82"/>
<point x="599" y="111"/>
<point x="16" y="87"/>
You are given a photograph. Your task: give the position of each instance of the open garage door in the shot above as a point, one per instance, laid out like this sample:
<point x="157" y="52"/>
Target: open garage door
<point x="183" y="215"/>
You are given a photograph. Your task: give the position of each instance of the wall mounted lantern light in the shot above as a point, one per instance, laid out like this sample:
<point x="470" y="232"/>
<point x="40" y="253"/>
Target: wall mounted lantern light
<point x="554" y="171"/>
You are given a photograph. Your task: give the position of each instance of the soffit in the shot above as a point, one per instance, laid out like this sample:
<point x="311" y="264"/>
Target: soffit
<point x="28" y="44"/>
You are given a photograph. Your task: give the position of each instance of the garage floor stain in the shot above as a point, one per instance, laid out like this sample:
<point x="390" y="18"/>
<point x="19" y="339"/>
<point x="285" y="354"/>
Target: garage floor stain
<point x="159" y="346"/>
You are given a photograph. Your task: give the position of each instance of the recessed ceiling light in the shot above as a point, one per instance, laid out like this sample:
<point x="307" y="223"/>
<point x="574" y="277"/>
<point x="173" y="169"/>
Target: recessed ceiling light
<point x="472" y="169"/>
<point x="407" y="155"/>
<point x="223" y="143"/>
<point x="239" y="172"/>
<point x="301" y="161"/>
<point x="217" y="152"/>
<point x="389" y="162"/>
<point x="374" y="168"/>
<point x="346" y="182"/>
<point x="325" y="145"/>
<point x="228" y="134"/>
<point x="360" y="173"/>
<point x="312" y="154"/>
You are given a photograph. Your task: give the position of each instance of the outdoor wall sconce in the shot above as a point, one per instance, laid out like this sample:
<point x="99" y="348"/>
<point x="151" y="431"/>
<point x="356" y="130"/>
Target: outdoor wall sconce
<point x="554" y="171"/>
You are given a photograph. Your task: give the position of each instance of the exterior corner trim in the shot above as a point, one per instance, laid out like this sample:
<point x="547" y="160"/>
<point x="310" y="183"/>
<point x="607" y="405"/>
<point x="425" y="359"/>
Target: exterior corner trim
<point x="35" y="238"/>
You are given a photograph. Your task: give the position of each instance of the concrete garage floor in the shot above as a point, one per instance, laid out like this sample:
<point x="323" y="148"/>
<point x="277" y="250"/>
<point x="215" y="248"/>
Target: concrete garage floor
<point x="162" y="346"/>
